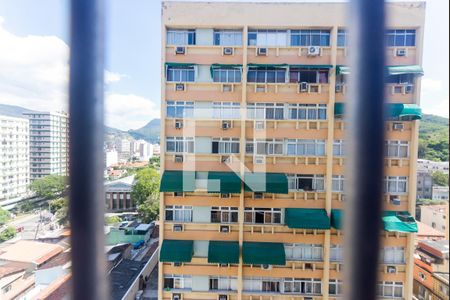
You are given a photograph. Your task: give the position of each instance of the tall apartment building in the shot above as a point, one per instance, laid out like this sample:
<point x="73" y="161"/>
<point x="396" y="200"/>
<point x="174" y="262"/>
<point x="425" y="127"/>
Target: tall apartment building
<point x="252" y="154"/>
<point x="49" y="144"/>
<point x="14" y="157"/>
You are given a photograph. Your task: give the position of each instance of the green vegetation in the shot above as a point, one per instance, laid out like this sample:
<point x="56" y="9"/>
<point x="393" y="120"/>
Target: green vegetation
<point x="5" y="216"/>
<point x="60" y="208"/>
<point x="50" y="186"/>
<point x="433" y="138"/>
<point x="146" y="194"/>
<point x="154" y="162"/>
<point x="7" y="234"/>
<point x="26" y="206"/>
<point x="440" y="178"/>
<point x="110" y="220"/>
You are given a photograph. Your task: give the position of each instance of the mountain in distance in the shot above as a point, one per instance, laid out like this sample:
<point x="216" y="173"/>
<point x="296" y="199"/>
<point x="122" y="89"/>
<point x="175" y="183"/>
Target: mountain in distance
<point x="13" y="110"/>
<point x="150" y="132"/>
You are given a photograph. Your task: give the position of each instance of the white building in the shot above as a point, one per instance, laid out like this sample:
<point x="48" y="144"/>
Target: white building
<point x="49" y="144"/>
<point x="14" y="157"/>
<point x="440" y="192"/>
<point x="142" y="150"/>
<point x="432" y="166"/>
<point x="435" y="216"/>
<point x="123" y="147"/>
<point x="111" y="158"/>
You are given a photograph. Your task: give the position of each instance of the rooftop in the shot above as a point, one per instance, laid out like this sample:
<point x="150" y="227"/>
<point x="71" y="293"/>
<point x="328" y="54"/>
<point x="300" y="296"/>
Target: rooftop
<point x="127" y="180"/>
<point x="123" y="275"/>
<point x="30" y="252"/>
<point x="436" y="208"/>
<point x="10" y="268"/>
<point x="428" y="231"/>
<point x="442" y="276"/>
<point x="437" y="248"/>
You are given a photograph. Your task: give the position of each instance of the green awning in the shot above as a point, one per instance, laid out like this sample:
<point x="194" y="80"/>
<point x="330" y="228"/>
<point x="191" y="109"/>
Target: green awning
<point x="268" y="65"/>
<point x="177" y="181"/>
<point x="176" y="251"/>
<point x="339" y="109"/>
<point x="254" y="253"/>
<point x="224" y="182"/>
<point x="399" y="221"/>
<point x="401" y="70"/>
<point x="276" y="183"/>
<point x="404" y="112"/>
<point x="172" y="64"/>
<point x="311" y="66"/>
<point x="307" y="218"/>
<point x="337" y="219"/>
<point x="223" y="66"/>
<point x="222" y="252"/>
<point x="344" y="70"/>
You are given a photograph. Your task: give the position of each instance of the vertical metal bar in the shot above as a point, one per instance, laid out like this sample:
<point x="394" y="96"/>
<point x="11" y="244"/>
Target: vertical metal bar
<point x="366" y="140"/>
<point x="86" y="149"/>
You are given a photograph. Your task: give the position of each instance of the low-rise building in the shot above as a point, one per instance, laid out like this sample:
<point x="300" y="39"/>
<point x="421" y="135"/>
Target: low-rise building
<point x="432" y="166"/>
<point x="424" y="185"/>
<point x="431" y="272"/>
<point x="118" y="195"/>
<point x="440" y="193"/>
<point x="32" y="254"/>
<point x="426" y="232"/>
<point x="435" y="216"/>
<point x="14" y="280"/>
<point x="111" y="158"/>
<point x="132" y="233"/>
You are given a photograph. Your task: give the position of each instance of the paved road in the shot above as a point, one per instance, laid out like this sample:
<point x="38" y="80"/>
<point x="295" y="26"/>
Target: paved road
<point x="30" y="224"/>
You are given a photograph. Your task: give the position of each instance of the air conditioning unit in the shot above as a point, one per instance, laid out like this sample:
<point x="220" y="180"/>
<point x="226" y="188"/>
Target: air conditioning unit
<point x="179" y="87"/>
<point x="179" y="158"/>
<point x="177" y="264"/>
<point x="400" y="52"/>
<point x="223" y="297"/>
<point x="176" y="297"/>
<point x="391" y="269"/>
<point x="224" y="229"/>
<point x="225" y="159"/>
<point x="398" y="126"/>
<point x="225" y="195"/>
<point x="266" y="267"/>
<point x="259" y="125"/>
<point x="409" y="89"/>
<point x="308" y="266"/>
<point x="257" y="195"/>
<point x="226" y="125"/>
<point x="303" y="87"/>
<point x="259" y="160"/>
<point x="339" y="88"/>
<point x="228" y="51"/>
<point x="262" y="52"/>
<point x="178" y="194"/>
<point x="177" y="227"/>
<point x="224" y="265"/>
<point x="178" y="124"/>
<point x="313" y="50"/>
<point x="394" y="200"/>
<point x="227" y="88"/>
<point x="180" y="50"/>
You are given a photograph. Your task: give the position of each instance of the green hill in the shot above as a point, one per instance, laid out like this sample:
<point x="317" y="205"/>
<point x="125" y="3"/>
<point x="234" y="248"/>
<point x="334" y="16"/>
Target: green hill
<point x="433" y="138"/>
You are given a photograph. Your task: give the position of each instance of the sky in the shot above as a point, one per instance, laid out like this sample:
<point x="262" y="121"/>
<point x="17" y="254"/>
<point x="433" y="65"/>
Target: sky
<point x="34" y="51"/>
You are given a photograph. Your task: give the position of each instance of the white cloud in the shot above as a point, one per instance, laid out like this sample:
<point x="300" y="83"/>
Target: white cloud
<point x="34" y="74"/>
<point x="434" y="97"/>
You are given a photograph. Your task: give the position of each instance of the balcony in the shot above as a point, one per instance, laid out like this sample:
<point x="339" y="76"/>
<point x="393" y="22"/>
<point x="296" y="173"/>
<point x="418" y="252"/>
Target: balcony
<point x="203" y="128"/>
<point x="289" y="55"/>
<point x="282" y="234"/>
<point x="205" y="55"/>
<point x="285" y="92"/>
<point x="201" y="231"/>
<point x="202" y="162"/>
<point x="204" y="91"/>
<point x="286" y="164"/>
<point x="290" y="129"/>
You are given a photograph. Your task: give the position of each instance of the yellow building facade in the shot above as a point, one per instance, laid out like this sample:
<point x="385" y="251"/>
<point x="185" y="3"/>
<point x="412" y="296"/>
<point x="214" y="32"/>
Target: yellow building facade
<point x="253" y="150"/>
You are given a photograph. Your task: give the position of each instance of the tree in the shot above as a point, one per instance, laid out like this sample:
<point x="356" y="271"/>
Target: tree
<point x="50" y="186"/>
<point x="26" y="206"/>
<point x="60" y="208"/>
<point x="154" y="162"/>
<point x="7" y="234"/>
<point x="57" y="204"/>
<point x="146" y="194"/>
<point x="110" y="220"/>
<point x="5" y="216"/>
<point x="440" y="178"/>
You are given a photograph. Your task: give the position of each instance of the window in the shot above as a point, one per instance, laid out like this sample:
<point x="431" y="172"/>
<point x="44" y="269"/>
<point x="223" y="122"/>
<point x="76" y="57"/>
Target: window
<point x="389" y="289"/>
<point x="265" y="111"/>
<point x="265" y="147"/>
<point x="395" y="184"/>
<point x="181" y="74"/>
<point x="335" y="287"/>
<point x="337" y="184"/>
<point x="226" y="110"/>
<point x="223" y="214"/>
<point x="297" y="75"/>
<point x="264" y="38"/>
<point x="180" y="109"/>
<point x="338" y="148"/>
<point x="180" y="144"/>
<point x="303" y="252"/>
<point x="180" y="37"/>
<point x="178" y="213"/>
<point x="308" y="37"/>
<point x="305" y="147"/>
<point x="392" y="255"/>
<point x="301" y="182"/>
<point x="262" y="215"/>
<point x="227" y="75"/>
<point x="303" y="286"/>
<point x="223" y="283"/>
<point x="227" y="37"/>
<point x="400" y="79"/>
<point x="336" y="253"/>
<point x="225" y="145"/>
<point x="399" y="149"/>
<point x="400" y="38"/>
<point x="177" y="282"/>
<point x="342" y="38"/>
<point x="266" y="75"/>
<point x="307" y="111"/>
<point x="270" y="285"/>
